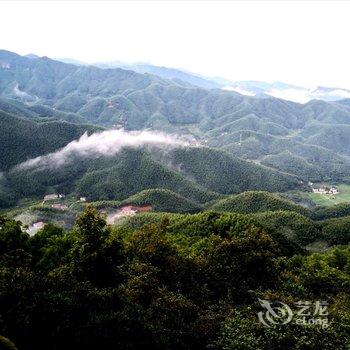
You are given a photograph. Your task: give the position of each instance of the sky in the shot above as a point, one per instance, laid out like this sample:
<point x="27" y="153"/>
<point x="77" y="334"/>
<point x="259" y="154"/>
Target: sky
<point x="298" y="42"/>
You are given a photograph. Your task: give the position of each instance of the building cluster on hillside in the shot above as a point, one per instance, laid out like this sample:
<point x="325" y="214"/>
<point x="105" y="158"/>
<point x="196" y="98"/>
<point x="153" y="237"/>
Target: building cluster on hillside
<point x="53" y="196"/>
<point x="35" y="227"/>
<point x="127" y="210"/>
<point x="325" y="190"/>
<point x="38" y="225"/>
<point x="59" y="206"/>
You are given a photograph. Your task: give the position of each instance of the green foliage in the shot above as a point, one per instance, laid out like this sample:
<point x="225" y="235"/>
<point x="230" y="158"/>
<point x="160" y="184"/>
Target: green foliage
<point x="11" y="236"/>
<point x="293" y="164"/>
<point x="44" y="240"/>
<point x="6" y="197"/>
<point x="6" y="344"/>
<point x="241" y="331"/>
<point x="292" y="225"/>
<point x="143" y="219"/>
<point x="334" y="211"/>
<point x="106" y="204"/>
<point x="93" y="255"/>
<point x="337" y="231"/>
<point x="205" y="224"/>
<point x="181" y="282"/>
<point x="193" y="174"/>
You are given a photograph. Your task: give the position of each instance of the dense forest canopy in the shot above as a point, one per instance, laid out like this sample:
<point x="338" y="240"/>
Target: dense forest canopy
<point x="189" y="282"/>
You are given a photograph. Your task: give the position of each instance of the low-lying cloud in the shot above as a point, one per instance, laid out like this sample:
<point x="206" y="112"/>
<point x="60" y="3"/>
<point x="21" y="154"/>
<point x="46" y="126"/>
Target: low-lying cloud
<point x="106" y="143"/>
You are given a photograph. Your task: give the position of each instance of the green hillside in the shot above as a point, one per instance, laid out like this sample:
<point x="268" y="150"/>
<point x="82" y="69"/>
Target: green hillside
<point x="220" y="172"/>
<point x="312" y="162"/>
<point x="337" y="231"/>
<point x="22" y="139"/>
<point x="293" y="164"/>
<point x="285" y="143"/>
<point x="16" y="108"/>
<point x="334" y="211"/>
<point x="333" y="137"/>
<point x="289" y="224"/>
<point x="164" y="201"/>
<point x="327" y="112"/>
<point x="200" y="175"/>
<point x="106" y="178"/>
<point x="132" y="171"/>
<point x="255" y="201"/>
<point x="38" y="112"/>
<point x="249" y="122"/>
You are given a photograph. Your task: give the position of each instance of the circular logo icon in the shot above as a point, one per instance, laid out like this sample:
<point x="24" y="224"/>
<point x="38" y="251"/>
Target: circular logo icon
<point x="276" y="313"/>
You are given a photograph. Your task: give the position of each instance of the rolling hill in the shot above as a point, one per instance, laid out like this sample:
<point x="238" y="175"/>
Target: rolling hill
<point x="223" y="173"/>
<point x="25" y="138"/>
<point x="255" y="201"/>
<point x="164" y="201"/>
<point x="197" y="174"/>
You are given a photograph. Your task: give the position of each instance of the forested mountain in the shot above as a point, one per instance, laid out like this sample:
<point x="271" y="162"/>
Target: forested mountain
<point x="37" y="111"/>
<point x="25" y="138"/>
<point x="289" y="154"/>
<point x="267" y="130"/>
<point x="198" y="174"/>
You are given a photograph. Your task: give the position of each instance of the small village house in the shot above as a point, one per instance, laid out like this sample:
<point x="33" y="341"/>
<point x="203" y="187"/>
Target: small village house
<point x="50" y="197"/>
<point x="38" y="225"/>
<point x="59" y="206"/>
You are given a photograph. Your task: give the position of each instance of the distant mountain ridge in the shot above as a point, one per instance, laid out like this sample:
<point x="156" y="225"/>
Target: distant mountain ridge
<point x="166" y="73"/>
<point x="288" y="91"/>
<point x="277" y="89"/>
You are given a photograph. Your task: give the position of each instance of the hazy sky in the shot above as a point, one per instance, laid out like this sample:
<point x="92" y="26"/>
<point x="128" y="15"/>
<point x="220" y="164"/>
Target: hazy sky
<point x="297" y="42"/>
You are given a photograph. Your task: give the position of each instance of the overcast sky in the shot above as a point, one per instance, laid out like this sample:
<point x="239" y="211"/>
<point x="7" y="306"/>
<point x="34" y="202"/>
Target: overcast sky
<point x="298" y="42"/>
